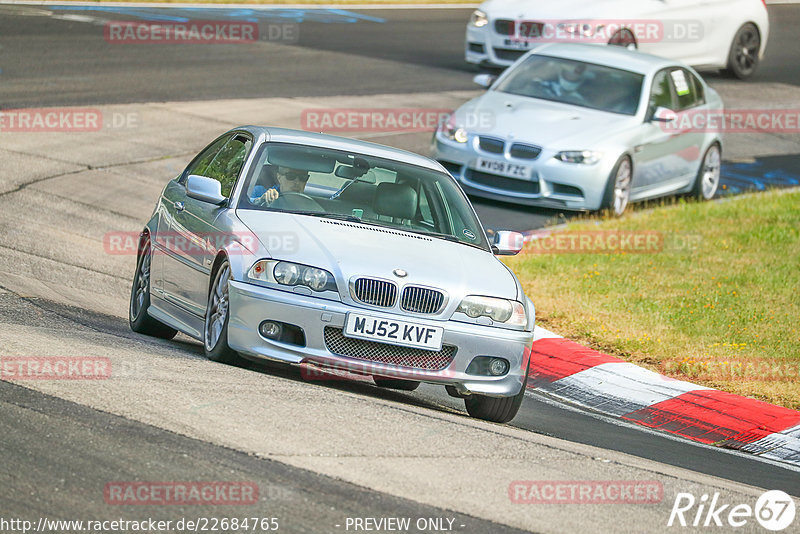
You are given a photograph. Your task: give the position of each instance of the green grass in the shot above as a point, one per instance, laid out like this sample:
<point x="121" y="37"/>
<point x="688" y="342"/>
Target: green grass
<point x="722" y="311"/>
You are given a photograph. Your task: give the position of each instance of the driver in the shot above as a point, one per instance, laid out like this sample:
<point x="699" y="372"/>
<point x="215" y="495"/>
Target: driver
<point x="570" y="79"/>
<point x="288" y="180"/>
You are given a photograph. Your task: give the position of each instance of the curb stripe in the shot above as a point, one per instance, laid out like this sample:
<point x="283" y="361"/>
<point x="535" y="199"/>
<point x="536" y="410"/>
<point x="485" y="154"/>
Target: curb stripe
<point x="579" y="375"/>
<point x="713" y="416"/>
<point x="556" y="358"/>
<point x="619" y="388"/>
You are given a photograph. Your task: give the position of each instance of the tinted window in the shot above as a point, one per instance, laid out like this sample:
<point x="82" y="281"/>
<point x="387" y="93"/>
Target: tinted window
<point x="661" y="93"/>
<point x="575" y="82"/>
<point x="684" y="88"/>
<point x="201" y="161"/>
<point x="228" y="162"/>
<point x="336" y="184"/>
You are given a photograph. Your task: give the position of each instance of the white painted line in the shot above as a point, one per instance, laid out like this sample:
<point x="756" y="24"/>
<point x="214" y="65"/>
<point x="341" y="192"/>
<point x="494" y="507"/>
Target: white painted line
<point x="542" y="333"/>
<point x="619" y="388"/>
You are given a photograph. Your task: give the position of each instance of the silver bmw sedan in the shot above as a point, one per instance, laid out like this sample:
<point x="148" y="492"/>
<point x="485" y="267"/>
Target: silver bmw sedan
<point x="328" y="252"/>
<point x="583" y="127"/>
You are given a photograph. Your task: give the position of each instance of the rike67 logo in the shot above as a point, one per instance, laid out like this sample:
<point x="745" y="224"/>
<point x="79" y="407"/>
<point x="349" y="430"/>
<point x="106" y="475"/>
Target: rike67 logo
<point x="774" y="510"/>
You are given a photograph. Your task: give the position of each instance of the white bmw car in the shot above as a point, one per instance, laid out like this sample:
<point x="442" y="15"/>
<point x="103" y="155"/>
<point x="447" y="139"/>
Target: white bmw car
<point x="713" y="34"/>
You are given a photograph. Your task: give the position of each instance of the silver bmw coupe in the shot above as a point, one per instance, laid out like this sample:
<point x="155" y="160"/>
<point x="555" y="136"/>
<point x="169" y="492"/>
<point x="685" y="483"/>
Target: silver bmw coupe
<point x="334" y="253"/>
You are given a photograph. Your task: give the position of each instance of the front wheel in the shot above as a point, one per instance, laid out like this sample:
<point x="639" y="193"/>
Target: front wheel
<point x="707" y="181"/>
<point x="618" y="187"/>
<point x="138" y="319"/>
<point x="743" y="55"/>
<point x="495" y="409"/>
<point x="215" y="329"/>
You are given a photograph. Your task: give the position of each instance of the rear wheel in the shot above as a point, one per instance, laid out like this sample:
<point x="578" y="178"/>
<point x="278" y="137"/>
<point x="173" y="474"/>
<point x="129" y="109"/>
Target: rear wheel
<point x="215" y="330"/>
<point x="743" y="55"/>
<point x="396" y="383"/>
<point x="707" y="181"/>
<point x="138" y="318"/>
<point x="495" y="409"/>
<point x="618" y="187"/>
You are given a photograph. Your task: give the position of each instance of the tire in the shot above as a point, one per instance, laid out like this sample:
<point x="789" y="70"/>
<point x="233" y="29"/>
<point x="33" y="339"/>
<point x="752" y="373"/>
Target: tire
<point x="618" y="188"/>
<point x="624" y="38"/>
<point x="215" y="325"/>
<point x="743" y="55"/>
<point x="495" y="409"/>
<point x="707" y="182"/>
<point x="138" y="319"/>
<point x="396" y="383"/>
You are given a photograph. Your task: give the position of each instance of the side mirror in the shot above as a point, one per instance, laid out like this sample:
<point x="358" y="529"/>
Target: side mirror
<point x="204" y="189"/>
<point x="663" y="115"/>
<point x="484" y="80"/>
<point x="507" y="243"/>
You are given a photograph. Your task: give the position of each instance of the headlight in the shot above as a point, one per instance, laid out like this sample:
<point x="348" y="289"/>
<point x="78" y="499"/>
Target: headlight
<point x="509" y="312"/>
<point x="586" y="157"/>
<point x="452" y="131"/>
<point x="292" y="274"/>
<point x="478" y="19"/>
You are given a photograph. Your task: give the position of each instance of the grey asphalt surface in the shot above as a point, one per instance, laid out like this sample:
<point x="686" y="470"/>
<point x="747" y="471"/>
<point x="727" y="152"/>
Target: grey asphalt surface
<point x="47" y="61"/>
<point x="63" y="455"/>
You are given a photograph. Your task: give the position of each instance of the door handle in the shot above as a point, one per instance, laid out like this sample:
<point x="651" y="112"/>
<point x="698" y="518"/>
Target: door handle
<point x="179" y="206"/>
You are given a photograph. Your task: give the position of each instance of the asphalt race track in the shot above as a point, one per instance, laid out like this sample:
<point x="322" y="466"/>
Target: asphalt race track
<point x="323" y="451"/>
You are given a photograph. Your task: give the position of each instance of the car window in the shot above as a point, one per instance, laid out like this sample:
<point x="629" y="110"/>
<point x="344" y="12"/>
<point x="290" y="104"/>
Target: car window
<point x="575" y="82"/>
<point x="201" y="161"/>
<point x="700" y="94"/>
<point x="228" y="162"/>
<point x="661" y="93"/>
<point x="343" y="185"/>
<point x="684" y="88"/>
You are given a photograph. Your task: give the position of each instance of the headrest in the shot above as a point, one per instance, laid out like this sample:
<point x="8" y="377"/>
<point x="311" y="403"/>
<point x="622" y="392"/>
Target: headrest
<point x="396" y="200"/>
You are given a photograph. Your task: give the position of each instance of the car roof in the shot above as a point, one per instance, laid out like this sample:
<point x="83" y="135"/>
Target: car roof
<point x="612" y="56"/>
<point x="286" y="135"/>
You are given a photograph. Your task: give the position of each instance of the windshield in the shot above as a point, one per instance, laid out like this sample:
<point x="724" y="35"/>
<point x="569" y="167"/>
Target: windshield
<point x="575" y="82"/>
<point x="329" y="183"/>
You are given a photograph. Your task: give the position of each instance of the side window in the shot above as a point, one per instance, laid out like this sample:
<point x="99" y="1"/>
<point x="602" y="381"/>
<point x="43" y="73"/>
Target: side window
<point x="228" y="162"/>
<point x="684" y="88"/>
<point x="425" y="207"/>
<point x="661" y="93"/>
<point x="200" y="163"/>
<point x="698" y="89"/>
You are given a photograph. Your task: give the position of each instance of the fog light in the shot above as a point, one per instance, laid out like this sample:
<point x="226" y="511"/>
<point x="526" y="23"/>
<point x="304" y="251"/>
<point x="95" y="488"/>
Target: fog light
<point x="270" y="330"/>
<point x="498" y="367"/>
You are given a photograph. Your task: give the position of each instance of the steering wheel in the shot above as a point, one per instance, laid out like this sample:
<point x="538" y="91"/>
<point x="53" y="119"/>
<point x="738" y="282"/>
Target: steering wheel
<point x="297" y="201"/>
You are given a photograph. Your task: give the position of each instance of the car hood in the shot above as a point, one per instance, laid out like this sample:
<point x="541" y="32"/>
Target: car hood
<point x="547" y="124"/>
<point x="351" y="249"/>
<point x="565" y="9"/>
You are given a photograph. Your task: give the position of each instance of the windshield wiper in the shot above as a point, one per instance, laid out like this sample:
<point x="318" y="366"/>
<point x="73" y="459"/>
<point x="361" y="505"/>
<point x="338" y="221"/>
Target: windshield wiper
<point x="337" y="216"/>
<point x="449" y="237"/>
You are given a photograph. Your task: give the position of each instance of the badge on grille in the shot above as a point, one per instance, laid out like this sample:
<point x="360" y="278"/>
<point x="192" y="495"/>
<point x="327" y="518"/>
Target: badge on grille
<point x="400" y="273"/>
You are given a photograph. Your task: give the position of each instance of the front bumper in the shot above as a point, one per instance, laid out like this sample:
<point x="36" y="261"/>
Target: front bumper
<point x="553" y="183"/>
<point x="251" y="304"/>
